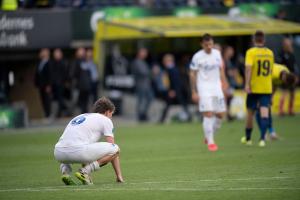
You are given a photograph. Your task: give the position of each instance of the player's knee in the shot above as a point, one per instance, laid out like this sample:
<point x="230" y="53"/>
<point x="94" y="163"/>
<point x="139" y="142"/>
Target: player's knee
<point x="207" y="114"/>
<point x="115" y="149"/>
<point x="264" y="112"/>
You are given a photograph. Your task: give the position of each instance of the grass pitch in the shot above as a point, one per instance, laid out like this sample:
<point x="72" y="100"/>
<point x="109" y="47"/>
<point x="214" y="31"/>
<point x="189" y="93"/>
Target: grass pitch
<point x="160" y="162"/>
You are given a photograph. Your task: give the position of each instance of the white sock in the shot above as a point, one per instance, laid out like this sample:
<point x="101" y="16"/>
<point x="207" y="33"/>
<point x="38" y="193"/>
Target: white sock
<point x="65" y="168"/>
<point x="217" y="124"/>
<point x="91" y="167"/>
<point x="208" y="127"/>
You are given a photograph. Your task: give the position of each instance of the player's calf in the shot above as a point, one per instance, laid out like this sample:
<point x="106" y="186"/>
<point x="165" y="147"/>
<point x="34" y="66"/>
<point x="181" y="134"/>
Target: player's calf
<point x="84" y="173"/>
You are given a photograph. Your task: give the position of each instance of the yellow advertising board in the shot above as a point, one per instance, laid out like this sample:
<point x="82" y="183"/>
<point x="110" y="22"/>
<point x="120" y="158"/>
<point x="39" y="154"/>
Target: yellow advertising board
<point x="238" y="104"/>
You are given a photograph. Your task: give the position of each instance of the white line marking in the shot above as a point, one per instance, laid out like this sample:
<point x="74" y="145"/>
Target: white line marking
<point x="210" y="180"/>
<point x="117" y="188"/>
<point x="143" y="189"/>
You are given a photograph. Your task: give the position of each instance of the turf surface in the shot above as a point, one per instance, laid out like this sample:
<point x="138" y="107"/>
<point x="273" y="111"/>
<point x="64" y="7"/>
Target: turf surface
<point x="160" y="162"/>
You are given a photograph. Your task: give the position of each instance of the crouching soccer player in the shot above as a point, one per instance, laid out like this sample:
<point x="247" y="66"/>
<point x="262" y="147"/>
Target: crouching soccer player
<point x="79" y="144"/>
<point x="280" y="76"/>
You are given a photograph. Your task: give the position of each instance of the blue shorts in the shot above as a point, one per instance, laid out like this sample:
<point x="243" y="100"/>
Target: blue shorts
<point x="258" y="100"/>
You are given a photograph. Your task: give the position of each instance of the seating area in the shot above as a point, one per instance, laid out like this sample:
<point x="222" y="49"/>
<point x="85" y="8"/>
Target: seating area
<point x="156" y="4"/>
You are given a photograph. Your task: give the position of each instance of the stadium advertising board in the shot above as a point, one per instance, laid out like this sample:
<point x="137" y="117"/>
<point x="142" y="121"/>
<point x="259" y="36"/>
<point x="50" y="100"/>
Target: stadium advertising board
<point x="259" y="9"/>
<point x="34" y="29"/>
<point x="12" y="117"/>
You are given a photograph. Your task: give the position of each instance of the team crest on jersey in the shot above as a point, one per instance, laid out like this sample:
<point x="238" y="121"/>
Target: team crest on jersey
<point x="78" y="120"/>
<point x="209" y="67"/>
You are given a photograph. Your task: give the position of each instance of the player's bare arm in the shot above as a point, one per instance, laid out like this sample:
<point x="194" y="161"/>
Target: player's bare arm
<point x="116" y="162"/>
<point x="193" y="76"/>
<point x="224" y="81"/>
<point x="248" y="72"/>
<point x="116" y="165"/>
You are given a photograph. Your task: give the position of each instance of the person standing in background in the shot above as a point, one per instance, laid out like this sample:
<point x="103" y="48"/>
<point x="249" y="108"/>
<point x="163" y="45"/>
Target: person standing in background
<point x="235" y="80"/>
<point x="83" y="80"/>
<point x="175" y="90"/>
<point x="43" y="80"/>
<point x="287" y="58"/>
<point x="58" y="77"/>
<point x="160" y="82"/>
<point x="142" y="75"/>
<point x="94" y="74"/>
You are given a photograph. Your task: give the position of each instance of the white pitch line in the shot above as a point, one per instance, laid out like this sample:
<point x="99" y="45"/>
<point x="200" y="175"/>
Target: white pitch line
<point x="209" y="180"/>
<point x="144" y="189"/>
<point x="56" y="188"/>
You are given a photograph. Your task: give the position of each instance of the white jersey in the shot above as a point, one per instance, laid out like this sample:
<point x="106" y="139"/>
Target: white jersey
<point x="208" y="76"/>
<point x="86" y="129"/>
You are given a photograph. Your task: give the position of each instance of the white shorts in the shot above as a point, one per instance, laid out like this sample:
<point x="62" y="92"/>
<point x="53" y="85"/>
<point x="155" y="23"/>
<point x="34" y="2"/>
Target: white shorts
<point x="86" y="153"/>
<point x="214" y="104"/>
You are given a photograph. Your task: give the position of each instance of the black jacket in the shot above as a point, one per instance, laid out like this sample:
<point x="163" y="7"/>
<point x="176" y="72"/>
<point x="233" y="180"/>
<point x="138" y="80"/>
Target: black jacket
<point x="43" y="74"/>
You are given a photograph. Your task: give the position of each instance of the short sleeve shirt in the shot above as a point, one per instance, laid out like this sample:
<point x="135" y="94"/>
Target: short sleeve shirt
<point x="86" y="129"/>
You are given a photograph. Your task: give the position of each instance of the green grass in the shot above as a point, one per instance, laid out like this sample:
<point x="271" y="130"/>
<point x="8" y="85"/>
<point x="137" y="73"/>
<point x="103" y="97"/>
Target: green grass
<point x="160" y="162"/>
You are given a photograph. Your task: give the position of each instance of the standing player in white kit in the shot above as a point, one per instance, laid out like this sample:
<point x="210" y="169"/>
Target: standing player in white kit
<point x="80" y="144"/>
<point x="207" y="75"/>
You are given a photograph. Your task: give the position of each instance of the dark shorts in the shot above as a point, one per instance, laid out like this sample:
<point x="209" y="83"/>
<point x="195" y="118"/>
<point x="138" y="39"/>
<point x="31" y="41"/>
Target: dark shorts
<point x="288" y="88"/>
<point x="258" y="100"/>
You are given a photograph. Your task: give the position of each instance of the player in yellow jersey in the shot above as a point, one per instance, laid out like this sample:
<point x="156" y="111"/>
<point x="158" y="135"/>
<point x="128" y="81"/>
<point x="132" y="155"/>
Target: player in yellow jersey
<point x="280" y="76"/>
<point x="258" y="85"/>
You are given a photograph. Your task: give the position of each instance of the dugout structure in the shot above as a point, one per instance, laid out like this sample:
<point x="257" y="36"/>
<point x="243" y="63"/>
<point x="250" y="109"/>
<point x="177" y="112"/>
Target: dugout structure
<point x="184" y="27"/>
<point x="188" y="27"/>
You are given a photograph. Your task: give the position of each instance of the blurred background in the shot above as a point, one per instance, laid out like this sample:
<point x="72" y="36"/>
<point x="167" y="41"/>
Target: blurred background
<point x="58" y="56"/>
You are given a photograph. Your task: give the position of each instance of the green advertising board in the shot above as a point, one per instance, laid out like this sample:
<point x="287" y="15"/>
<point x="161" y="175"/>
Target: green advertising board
<point x="125" y="13"/>
<point x="12" y="117"/>
<point x="259" y="9"/>
<point x="187" y="11"/>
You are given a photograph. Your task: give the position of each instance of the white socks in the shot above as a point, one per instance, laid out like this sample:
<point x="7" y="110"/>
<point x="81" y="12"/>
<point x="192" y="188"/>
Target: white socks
<point x="91" y="167"/>
<point x="217" y="124"/>
<point x="208" y="127"/>
<point x="65" y="168"/>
